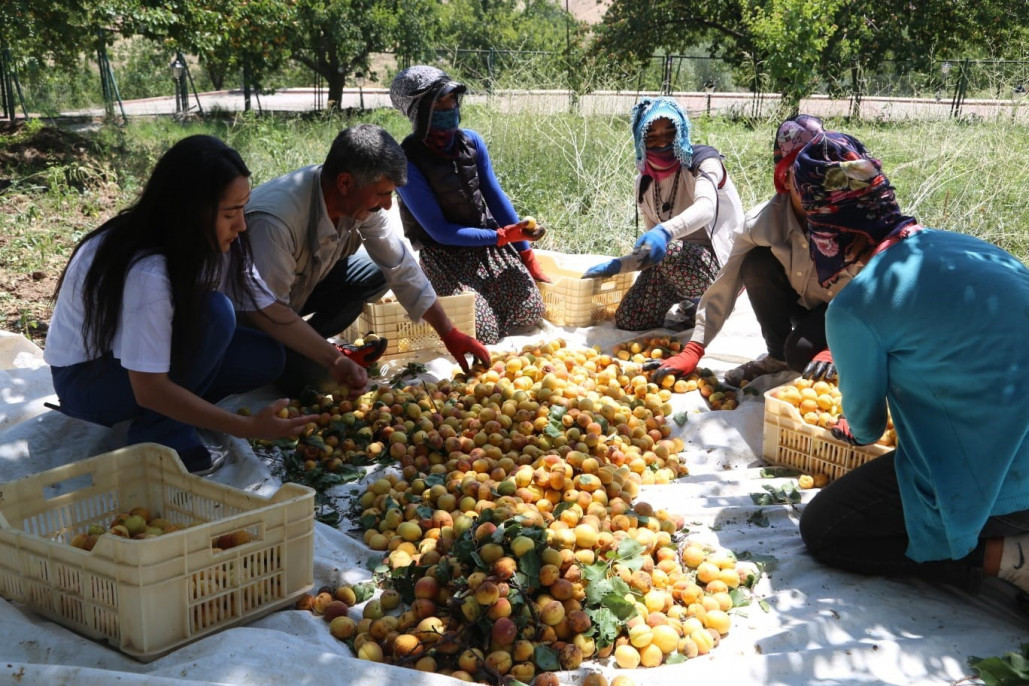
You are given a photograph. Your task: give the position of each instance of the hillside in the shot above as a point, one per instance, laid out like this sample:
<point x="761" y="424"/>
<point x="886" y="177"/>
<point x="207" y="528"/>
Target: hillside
<point x="589" y="11"/>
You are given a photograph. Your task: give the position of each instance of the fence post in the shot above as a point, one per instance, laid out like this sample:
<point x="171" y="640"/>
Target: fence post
<point x="6" y="96"/>
<point x="666" y="77"/>
<point x="105" y="73"/>
<point x="489" y="70"/>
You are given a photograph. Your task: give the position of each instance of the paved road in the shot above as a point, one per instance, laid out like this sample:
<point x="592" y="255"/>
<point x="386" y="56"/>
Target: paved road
<point x="599" y="103"/>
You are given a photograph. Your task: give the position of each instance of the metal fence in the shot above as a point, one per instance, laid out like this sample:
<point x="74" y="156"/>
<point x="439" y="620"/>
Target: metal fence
<point x="138" y="69"/>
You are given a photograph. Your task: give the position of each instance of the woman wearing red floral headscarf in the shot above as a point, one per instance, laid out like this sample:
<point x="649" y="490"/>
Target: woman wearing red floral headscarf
<point x="771" y="259"/>
<point x="931" y="321"/>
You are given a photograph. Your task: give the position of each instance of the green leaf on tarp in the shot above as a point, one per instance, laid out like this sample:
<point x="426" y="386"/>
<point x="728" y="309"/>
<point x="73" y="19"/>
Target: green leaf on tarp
<point x="740" y="598"/>
<point x="758" y="518"/>
<point x="621" y="607"/>
<point x="364" y="591"/>
<point x="628" y="548"/>
<point x="787" y="494"/>
<point x="680" y="418"/>
<point x="1010" y="669"/>
<point x="779" y="472"/>
<point x="546" y="658"/>
<point x="606" y="626"/>
<point x="675" y="659"/>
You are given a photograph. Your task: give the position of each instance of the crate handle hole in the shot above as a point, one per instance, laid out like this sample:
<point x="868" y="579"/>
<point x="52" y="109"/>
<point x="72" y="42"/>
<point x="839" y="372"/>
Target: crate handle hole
<point x="66" y="486"/>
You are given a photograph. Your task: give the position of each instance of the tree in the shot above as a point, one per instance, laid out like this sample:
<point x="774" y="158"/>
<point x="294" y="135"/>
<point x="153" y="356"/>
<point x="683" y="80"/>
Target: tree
<point x="484" y="34"/>
<point x="790" y="45"/>
<point x="335" y="38"/>
<point x="226" y="35"/>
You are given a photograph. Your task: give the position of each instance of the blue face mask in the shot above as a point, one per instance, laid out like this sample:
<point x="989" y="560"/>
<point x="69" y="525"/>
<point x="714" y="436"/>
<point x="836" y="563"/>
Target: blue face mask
<point x="446" y="120"/>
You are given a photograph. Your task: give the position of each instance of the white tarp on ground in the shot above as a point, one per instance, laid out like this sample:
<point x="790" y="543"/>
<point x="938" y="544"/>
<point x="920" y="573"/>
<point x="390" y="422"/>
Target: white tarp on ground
<point x="820" y="625"/>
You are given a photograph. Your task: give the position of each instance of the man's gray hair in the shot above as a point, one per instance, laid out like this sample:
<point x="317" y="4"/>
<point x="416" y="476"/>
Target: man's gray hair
<point x="368" y="153"/>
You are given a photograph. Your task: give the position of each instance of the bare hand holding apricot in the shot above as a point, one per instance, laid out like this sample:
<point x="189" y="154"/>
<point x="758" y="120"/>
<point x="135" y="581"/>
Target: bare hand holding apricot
<point x="348" y="373"/>
<point x="270" y="424"/>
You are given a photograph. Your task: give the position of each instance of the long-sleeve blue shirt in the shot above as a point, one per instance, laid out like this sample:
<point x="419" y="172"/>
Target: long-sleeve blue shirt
<point x="420" y="199"/>
<point x="937" y="325"/>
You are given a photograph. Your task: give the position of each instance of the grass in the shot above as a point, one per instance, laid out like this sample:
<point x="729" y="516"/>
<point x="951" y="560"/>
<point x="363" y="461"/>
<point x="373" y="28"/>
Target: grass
<point x="573" y="173"/>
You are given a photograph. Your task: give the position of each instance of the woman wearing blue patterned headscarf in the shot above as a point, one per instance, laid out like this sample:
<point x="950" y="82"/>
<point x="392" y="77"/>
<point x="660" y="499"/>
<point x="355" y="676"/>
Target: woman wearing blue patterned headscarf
<point x="930" y="320"/>
<point x="690" y="208"/>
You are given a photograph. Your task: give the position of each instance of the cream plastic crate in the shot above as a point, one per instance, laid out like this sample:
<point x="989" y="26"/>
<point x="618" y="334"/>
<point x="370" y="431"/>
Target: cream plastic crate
<point x="148" y="597"/>
<point x="574" y="301"/>
<point x="406" y="338"/>
<point x="791" y="442"/>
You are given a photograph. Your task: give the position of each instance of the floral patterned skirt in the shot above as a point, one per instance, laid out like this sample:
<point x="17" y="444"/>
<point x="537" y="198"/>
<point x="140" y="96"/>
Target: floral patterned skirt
<point x="686" y="272"/>
<point x="506" y="296"/>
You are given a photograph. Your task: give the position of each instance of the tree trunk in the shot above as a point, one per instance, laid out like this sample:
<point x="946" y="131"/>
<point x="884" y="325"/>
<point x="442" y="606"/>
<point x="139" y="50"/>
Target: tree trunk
<point x="335" y="82"/>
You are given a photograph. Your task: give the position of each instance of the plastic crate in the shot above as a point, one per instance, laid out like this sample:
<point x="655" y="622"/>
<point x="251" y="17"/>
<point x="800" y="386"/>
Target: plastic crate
<point x="574" y="301"/>
<point x="406" y="338"/>
<point x="147" y="597"/>
<point x="791" y="442"/>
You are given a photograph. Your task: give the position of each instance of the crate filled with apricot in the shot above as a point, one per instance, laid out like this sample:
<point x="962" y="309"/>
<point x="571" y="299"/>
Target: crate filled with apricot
<point x="798" y="422"/>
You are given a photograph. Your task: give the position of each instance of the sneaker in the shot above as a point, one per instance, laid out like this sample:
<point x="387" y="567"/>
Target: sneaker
<point x="755" y="368"/>
<point x="200" y="461"/>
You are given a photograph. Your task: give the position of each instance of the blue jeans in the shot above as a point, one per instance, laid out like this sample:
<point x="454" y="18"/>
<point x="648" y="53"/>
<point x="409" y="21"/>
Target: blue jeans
<point x="227" y="359"/>
<point x="337" y="300"/>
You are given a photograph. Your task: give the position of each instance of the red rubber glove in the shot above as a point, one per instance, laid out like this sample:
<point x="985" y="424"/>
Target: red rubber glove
<point x="512" y="233"/>
<point x="529" y="260"/>
<point x="366" y="354"/>
<point x="461" y="344"/>
<point x="842" y="432"/>
<point x="820" y="367"/>
<point x="681" y="364"/>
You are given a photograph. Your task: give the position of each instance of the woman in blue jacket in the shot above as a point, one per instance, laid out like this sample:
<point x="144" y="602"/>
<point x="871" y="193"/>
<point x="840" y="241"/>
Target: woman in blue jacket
<point x="468" y="234"/>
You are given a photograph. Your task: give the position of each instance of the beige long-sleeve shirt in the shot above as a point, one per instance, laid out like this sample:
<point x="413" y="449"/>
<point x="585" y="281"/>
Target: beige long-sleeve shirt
<point x="774" y="225"/>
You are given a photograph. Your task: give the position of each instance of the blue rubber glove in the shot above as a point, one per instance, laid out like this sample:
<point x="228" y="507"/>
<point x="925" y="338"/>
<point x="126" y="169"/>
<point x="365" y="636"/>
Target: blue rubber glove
<point x="654" y="245"/>
<point x="609" y="268"/>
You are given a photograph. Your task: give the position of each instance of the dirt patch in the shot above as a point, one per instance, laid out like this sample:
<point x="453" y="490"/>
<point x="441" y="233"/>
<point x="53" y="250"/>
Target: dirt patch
<point x="25" y="291"/>
<point x="29" y="153"/>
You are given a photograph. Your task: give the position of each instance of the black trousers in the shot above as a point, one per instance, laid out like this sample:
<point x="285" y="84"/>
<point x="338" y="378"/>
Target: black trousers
<point x="857" y="523"/>
<point x="791" y="331"/>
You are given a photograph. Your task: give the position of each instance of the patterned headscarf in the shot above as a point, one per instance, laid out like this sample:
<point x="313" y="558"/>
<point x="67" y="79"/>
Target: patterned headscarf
<point x="414" y="92"/>
<point x="793" y="134"/>
<point x="850" y="203"/>
<point x="643" y="115"/>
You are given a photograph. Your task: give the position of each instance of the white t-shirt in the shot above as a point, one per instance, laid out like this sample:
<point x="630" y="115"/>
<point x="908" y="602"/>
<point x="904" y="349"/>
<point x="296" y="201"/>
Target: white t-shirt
<point x="142" y="340"/>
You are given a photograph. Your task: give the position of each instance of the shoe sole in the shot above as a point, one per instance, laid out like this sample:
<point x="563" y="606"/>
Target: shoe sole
<point x="217" y="462"/>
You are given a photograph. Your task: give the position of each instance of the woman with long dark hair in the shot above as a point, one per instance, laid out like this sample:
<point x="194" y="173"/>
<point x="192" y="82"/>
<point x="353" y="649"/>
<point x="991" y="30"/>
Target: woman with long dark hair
<point x="144" y="328"/>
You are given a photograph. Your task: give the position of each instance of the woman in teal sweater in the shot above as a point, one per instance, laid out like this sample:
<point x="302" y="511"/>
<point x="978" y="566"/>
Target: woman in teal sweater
<point x="935" y="325"/>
